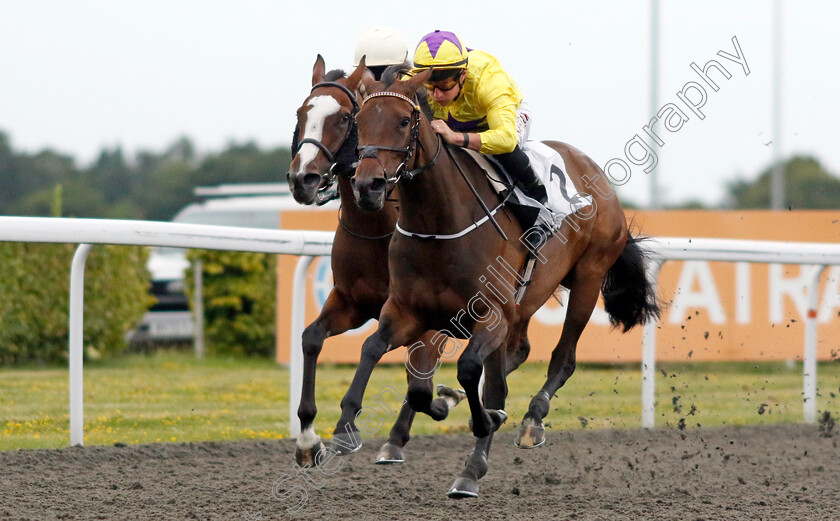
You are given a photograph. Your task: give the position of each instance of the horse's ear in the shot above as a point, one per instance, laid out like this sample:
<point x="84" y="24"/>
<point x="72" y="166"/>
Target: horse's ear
<point x="368" y="79"/>
<point x="356" y="77"/>
<point x="417" y="80"/>
<point x="318" y="70"/>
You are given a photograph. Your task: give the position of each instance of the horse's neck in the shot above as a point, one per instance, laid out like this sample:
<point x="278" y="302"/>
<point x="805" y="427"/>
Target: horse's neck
<point x="375" y="223"/>
<point x="438" y="200"/>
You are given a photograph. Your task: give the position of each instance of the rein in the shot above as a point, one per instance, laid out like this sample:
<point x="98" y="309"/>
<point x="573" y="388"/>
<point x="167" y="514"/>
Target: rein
<point x="325" y="194"/>
<point x="346" y="229"/>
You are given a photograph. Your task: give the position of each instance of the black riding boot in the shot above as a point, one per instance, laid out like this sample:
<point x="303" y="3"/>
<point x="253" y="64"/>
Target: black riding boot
<point x="519" y="168"/>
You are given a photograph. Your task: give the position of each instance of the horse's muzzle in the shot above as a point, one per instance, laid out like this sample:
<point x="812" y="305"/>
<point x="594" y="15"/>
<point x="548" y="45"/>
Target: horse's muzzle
<point x="304" y="186"/>
<point x="369" y="193"/>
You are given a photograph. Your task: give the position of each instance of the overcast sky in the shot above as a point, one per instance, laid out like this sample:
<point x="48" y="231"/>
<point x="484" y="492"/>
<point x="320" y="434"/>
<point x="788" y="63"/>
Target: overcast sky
<point x="78" y="76"/>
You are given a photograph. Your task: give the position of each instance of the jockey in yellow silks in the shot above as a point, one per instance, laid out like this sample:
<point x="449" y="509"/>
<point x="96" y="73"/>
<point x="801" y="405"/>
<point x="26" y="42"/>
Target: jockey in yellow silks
<point x="477" y="105"/>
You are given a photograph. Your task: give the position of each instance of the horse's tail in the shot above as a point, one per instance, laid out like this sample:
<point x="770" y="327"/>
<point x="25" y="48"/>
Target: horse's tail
<point x="629" y="297"/>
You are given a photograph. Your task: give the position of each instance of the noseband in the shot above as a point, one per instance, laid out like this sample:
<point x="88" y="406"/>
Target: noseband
<point x="372" y="151"/>
<point x="324" y="194"/>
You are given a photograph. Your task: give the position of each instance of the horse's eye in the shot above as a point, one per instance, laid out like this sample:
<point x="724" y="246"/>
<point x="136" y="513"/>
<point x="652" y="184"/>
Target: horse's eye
<point x="405" y="121"/>
<point x="345" y="118"/>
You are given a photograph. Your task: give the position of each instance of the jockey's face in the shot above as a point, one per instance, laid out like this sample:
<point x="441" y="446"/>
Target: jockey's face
<point x="444" y="92"/>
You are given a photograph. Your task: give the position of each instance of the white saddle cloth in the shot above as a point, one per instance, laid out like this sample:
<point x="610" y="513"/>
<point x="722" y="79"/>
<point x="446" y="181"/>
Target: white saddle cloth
<point x="563" y="197"/>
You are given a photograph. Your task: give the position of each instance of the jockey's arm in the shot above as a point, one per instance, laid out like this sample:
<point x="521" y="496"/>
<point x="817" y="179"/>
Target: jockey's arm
<point x="470" y="140"/>
<point x="501" y="137"/>
<point x="497" y="95"/>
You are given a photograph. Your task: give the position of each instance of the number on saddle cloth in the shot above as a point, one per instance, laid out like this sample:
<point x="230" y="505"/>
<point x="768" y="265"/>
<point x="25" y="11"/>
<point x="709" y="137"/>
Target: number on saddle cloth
<point x="502" y="184"/>
<point x="563" y="197"/>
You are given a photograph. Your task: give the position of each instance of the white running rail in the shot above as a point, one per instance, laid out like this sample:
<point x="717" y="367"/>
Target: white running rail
<point x="818" y="255"/>
<point x="309" y="244"/>
<point x="86" y="232"/>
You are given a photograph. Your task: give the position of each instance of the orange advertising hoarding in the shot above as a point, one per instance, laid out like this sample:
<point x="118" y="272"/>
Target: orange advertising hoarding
<point x="712" y="310"/>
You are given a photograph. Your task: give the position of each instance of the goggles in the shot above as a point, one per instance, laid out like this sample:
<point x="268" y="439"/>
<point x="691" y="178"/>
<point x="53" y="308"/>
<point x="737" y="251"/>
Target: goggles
<point x="441" y="86"/>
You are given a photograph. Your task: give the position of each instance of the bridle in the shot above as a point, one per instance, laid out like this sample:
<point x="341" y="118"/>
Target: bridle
<point x="402" y="171"/>
<point x="325" y="194"/>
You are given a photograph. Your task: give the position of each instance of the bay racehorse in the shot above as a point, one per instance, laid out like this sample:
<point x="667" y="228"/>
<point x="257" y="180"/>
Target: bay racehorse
<point x="324" y="148"/>
<point x="464" y="286"/>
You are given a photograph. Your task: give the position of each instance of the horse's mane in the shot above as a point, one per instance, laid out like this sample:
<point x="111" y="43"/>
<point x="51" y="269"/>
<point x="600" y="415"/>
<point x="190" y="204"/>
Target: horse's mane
<point x="334" y="75"/>
<point x="394" y="73"/>
<point x="423" y="101"/>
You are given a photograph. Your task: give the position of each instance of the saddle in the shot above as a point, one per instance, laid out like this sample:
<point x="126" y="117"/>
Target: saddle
<point x="563" y="197"/>
<point x="563" y="200"/>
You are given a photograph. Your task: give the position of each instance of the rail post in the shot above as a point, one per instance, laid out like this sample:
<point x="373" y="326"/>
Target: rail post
<point x="649" y="353"/>
<point x="76" y="334"/>
<point x="198" y="309"/>
<point x="296" y="345"/>
<point x="809" y="355"/>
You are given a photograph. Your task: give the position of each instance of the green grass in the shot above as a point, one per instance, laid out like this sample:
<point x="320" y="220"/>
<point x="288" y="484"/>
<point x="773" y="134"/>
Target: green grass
<point x="171" y="397"/>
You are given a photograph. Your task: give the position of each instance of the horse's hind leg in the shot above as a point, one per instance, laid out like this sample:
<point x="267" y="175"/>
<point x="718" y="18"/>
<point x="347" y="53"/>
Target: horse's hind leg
<point x="337" y="316"/>
<point x="584" y="292"/>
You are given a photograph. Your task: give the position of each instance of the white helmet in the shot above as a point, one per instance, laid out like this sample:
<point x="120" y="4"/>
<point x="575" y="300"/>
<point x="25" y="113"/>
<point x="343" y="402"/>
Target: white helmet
<point x="381" y="46"/>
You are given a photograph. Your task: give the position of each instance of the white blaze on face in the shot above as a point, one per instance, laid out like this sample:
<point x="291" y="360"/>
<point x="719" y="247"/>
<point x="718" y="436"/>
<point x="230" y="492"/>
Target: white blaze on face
<point x="322" y="108"/>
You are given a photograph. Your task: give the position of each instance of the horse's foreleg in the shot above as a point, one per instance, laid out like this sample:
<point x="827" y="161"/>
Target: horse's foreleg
<point x="466" y="485"/>
<point x="470" y="366"/>
<point x="495" y="392"/>
<point x="518" y="348"/>
<point x="346" y="438"/>
<point x="422" y="362"/>
<point x="392" y="450"/>
<point x="495" y="381"/>
<point x="582" y="299"/>
<point x="337" y="316"/>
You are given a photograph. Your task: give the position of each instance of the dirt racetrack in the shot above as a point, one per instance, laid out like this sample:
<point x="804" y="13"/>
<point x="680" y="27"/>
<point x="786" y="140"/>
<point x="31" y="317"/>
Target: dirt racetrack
<point x="784" y="472"/>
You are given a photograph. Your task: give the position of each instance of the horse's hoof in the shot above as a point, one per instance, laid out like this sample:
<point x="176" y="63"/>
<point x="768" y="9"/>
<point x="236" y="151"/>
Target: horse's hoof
<point x="344" y="444"/>
<point x="462" y="488"/>
<point x="499" y="417"/>
<point x="390" y="454"/>
<point x="531" y="435"/>
<point x="308" y="457"/>
<point x="452" y="396"/>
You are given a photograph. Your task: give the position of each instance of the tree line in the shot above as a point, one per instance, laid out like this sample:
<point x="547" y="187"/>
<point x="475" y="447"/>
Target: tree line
<point x="155" y="185"/>
<point x="150" y="186"/>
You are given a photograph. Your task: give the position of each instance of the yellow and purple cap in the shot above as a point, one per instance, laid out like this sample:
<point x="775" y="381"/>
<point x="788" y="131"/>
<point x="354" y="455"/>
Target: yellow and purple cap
<point x="441" y="50"/>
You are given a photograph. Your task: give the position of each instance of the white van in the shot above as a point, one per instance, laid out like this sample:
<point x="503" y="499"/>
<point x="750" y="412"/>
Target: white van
<point x="170" y="319"/>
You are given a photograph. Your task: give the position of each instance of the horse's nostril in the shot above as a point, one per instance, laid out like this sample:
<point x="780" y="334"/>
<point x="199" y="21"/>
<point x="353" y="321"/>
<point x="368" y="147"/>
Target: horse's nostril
<point x="311" y="179"/>
<point x="378" y="184"/>
<point x="374" y="185"/>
